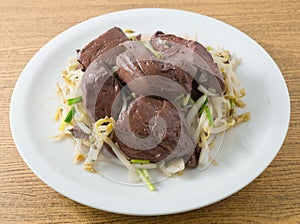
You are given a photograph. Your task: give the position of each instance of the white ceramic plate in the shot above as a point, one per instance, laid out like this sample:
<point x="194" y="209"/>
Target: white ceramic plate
<point x="247" y="150"/>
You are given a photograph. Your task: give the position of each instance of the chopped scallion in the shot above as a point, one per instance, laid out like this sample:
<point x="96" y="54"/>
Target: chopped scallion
<point x="141" y="161"/>
<point x="74" y="100"/>
<point x="145" y="179"/>
<point x="203" y="106"/>
<point x="70" y="115"/>
<point x="208" y="114"/>
<point x="207" y="111"/>
<point x="146" y="173"/>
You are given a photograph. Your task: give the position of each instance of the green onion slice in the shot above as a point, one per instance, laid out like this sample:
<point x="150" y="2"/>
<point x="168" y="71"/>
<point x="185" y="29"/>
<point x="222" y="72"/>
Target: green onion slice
<point x="207" y="111"/>
<point x="75" y="100"/>
<point x="141" y="161"/>
<point x="70" y="115"/>
<point x="145" y="179"/>
<point x="203" y="106"/>
<point x="146" y="173"/>
<point x="209" y="116"/>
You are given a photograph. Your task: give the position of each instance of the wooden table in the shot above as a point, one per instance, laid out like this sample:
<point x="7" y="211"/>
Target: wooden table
<point x="274" y="197"/>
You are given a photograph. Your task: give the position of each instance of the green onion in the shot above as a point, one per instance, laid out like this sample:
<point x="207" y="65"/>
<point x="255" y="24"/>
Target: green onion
<point x="74" y="100"/>
<point x="146" y="174"/>
<point x="145" y="179"/>
<point x="70" y="115"/>
<point x="203" y="106"/>
<point x="209" y="116"/>
<point x="207" y="111"/>
<point x="141" y="161"/>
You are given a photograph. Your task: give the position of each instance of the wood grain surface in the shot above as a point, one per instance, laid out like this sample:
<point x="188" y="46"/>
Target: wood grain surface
<point x="25" y="26"/>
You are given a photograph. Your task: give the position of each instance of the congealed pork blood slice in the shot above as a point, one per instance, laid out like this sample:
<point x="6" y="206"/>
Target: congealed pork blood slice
<point x="190" y="55"/>
<point x="142" y="119"/>
<point x="107" y="42"/>
<point x="138" y="62"/>
<point x="99" y="90"/>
